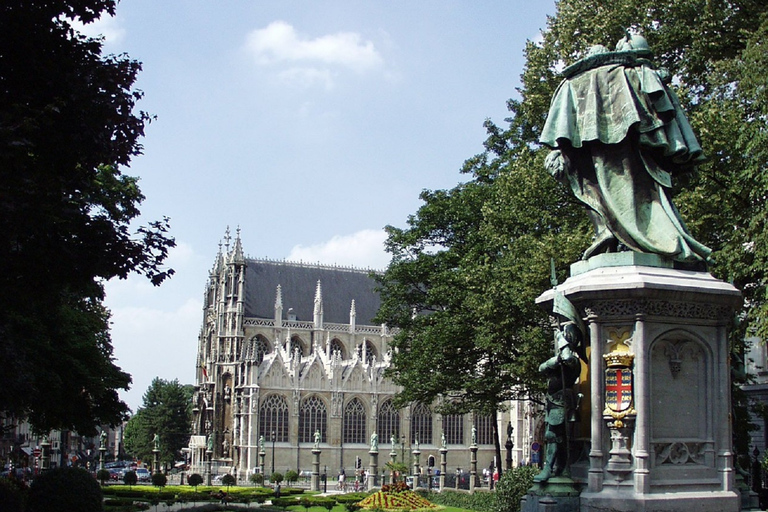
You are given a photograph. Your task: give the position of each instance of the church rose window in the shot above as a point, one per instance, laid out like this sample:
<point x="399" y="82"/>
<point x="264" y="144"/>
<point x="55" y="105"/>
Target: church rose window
<point x="312" y="417"/>
<point x="273" y="417"/>
<point x="484" y="425"/>
<point x="421" y="424"/>
<point x="453" y="426"/>
<point x="389" y="422"/>
<point x="354" y="422"/>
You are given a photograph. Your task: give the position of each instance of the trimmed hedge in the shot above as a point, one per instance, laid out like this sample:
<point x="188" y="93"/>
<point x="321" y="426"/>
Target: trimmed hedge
<point x="285" y="502"/>
<point x="480" y="501"/>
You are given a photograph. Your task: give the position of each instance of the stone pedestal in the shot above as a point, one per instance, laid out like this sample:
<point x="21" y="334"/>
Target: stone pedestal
<point x="208" y="457"/>
<point x="443" y="466"/>
<point x="416" y="467"/>
<point x="156" y="460"/>
<point x="45" y="460"/>
<point x="262" y="457"/>
<point x="373" y="470"/>
<point x="315" y="479"/>
<point x="101" y="457"/>
<point x="473" y="480"/>
<point x="665" y="330"/>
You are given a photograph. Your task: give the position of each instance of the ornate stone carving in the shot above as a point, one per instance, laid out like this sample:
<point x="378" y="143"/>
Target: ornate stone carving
<point x="676" y="350"/>
<point x="623" y="308"/>
<point x="678" y="453"/>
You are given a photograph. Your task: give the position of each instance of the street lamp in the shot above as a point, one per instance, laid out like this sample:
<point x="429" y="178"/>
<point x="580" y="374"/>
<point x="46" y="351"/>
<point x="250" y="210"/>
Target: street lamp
<point x="509" y="445"/>
<point x="273" y="454"/>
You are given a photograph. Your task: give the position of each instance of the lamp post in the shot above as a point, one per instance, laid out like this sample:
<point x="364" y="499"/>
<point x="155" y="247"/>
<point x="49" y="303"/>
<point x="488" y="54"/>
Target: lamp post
<point x="273" y="454"/>
<point x="509" y="445"/>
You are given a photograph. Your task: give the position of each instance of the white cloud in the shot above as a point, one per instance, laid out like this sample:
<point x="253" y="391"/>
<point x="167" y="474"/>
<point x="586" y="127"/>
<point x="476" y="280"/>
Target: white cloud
<point x="364" y="249"/>
<point x="304" y="78"/>
<point x="106" y="27"/>
<point x="279" y="42"/>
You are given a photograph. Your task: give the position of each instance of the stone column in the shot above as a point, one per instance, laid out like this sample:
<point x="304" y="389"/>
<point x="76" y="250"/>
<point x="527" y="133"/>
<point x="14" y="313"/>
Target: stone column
<point x="315" y="481"/>
<point x="473" y="481"/>
<point x="373" y="469"/>
<point x="416" y="468"/>
<point x="262" y="457"/>
<point x="443" y="466"/>
<point x="102" y="449"/>
<point x="156" y="460"/>
<point x="595" y="478"/>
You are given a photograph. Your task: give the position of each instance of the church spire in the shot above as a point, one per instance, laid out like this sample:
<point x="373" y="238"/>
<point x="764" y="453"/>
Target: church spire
<point x="279" y="307"/>
<point x="319" y="306"/>
<point x="237" y="252"/>
<point x="352" y="316"/>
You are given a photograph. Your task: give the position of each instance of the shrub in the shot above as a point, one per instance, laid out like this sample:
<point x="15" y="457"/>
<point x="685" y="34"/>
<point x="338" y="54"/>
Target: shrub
<point x="194" y="480"/>
<point x="291" y="476"/>
<point x="130" y="478"/>
<point x="159" y="479"/>
<point x="102" y="476"/>
<point x="276" y="477"/>
<point x="228" y="480"/>
<point x="284" y="502"/>
<point x="256" y="479"/>
<point x="512" y="486"/>
<point x="11" y="495"/>
<point x="65" y="490"/>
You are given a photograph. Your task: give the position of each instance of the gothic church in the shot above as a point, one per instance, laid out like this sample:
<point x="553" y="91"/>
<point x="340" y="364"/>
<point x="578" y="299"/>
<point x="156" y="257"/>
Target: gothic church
<point x="288" y="349"/>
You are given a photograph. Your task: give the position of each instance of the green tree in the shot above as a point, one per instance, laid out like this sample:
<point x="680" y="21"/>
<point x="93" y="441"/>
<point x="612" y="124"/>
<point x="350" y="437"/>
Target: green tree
<point x="195" y="479"/>
<point x="166" y="411"/>
<point x="471" y="263"/>
<point x="291" y="476"/>
<point x="103" y="475"/>
<point x="228" y="480"/>
<point x="159" y="479"/>
<point x="67" y="127"/>
<point x="130" y="478"/>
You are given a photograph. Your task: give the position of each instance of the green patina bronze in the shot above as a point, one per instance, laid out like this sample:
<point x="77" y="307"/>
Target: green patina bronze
<point x="619" y="134"/>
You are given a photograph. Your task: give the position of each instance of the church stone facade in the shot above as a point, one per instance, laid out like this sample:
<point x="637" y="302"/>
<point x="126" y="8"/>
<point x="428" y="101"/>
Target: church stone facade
<point x="288" y="349"/>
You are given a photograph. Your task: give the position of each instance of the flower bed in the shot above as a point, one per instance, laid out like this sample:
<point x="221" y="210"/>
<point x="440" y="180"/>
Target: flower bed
<point x="407" y="500"/>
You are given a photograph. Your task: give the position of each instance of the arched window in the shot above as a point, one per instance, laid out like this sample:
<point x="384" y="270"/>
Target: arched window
<point x="354" y="422"/>
<point x="256" y="348"/>
<point x="273" y="417"/>
<point x="389" y="422"/>
<point x="453" y="426"/>
<point x="369" y="353"/>
<point x="297" y="343"/>
<point x="421" y="424"/>
<point x="484" y="425"/>
<point x="338" y="346"/>
<point x="312" y="416"/>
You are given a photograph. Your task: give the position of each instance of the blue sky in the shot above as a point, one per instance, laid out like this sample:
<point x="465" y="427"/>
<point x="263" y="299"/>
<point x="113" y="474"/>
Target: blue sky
<point x="310" y="125"/>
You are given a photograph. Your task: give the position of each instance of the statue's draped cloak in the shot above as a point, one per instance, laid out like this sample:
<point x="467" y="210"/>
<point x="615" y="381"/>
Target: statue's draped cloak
<point x="622" y="133"/>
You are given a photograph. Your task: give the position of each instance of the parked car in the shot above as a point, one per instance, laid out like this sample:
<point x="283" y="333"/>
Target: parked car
<point x="143" y="474"/>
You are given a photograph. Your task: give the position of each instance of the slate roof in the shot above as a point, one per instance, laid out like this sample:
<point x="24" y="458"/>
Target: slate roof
<point x="299" y="282"/>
